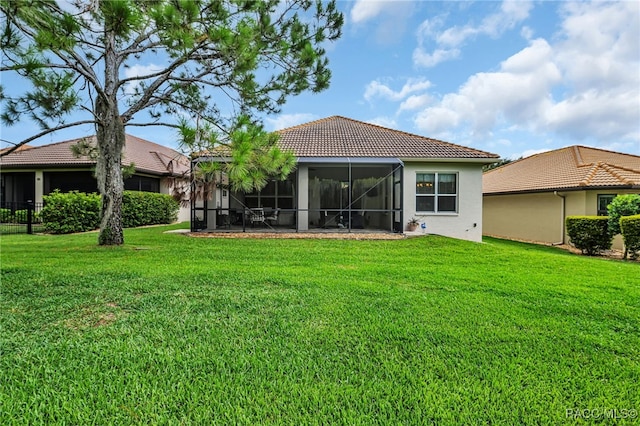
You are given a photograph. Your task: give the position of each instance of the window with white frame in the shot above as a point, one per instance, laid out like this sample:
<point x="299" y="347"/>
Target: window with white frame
<point x="437" y="192"/>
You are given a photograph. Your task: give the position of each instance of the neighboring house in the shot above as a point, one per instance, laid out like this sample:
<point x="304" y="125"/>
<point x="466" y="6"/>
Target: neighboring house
<point x="32" y="172"/>
<point x="529" y="199"/>
<point x="354" y="175"/>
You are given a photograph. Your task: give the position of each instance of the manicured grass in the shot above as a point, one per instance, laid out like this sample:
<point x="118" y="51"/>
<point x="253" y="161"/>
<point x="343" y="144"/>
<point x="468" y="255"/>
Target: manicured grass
<point x="174" y="330"/>
<point x="19" y="228"/>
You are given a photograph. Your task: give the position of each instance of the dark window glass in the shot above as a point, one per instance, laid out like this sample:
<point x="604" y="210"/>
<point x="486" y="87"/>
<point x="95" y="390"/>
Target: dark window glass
<point x="446" y="203"/>
<point x="142" y="183"/>
<point x="268" y="201"/>
<point x="269" y="189"/>
<point x="251" y="202"/>
<point x="604" y="201"/>
<point x="425" y="183"/>
<point x="70" y="181"/>
<point x="425" y="204"/>
<point x="285" y="187"/>
<point x="447" y="184"/>
<point x="285" y="203"/>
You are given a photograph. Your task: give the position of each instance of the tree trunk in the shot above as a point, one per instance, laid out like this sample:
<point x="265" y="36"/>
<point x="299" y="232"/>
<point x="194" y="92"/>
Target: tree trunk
<point x="111" y="139"/>
<point x="110" y="142"/>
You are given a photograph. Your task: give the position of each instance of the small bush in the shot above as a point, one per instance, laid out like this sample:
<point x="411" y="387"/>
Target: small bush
<point x="589" y="233"/>
<point x="630" y="226"/>
<point x="64" y="213"/>
<point x="6" y="216"/>
<point x="622" y="205"/>
<point x="20" y="216"/>
<point x="148" y="208"/>
<point x="77" y="212"/>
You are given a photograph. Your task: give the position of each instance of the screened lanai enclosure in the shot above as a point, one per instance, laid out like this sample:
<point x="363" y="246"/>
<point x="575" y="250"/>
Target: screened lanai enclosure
<point x="323" y="194"/>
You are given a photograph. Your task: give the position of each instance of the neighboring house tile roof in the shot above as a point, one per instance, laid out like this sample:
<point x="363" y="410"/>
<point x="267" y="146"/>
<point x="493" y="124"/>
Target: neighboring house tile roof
<point x="20" y="148"/>
<point x="344" y="137"/>
<point x="574" y="167"/>
<point x="148" y="157"/>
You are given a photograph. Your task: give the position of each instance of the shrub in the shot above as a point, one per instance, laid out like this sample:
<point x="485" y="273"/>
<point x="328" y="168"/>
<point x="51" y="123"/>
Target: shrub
<point x="630" y="226"/>
<point x="77" y="212"/>
<point x="148" y="208"/>
<point x="6" y="216"/>
<point x="64" y="213"/>
<point x="622" y="205"/>
<point x="20" y="216"/>
<point x="589" y="233"/>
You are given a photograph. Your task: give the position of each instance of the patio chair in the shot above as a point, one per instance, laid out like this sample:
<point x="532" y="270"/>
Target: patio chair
<point x="257" y="216"/>
<point x="272" y="219"/>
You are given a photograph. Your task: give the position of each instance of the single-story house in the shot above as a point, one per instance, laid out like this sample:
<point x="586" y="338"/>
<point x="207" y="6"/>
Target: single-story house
<point x="353" y="175"/>
<point x="529" y="199"/>
<point x="30" y="173"/>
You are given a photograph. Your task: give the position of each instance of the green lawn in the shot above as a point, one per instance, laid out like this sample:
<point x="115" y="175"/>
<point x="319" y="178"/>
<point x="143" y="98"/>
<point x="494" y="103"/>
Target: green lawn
<point x="174" y="330"/>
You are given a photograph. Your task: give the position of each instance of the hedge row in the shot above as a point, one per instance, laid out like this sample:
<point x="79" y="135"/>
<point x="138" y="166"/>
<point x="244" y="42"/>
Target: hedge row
<point x="64" y="213"/>
<point x="589" y="233"/>
<point x="19" y="216"/>
<point x="630" y="226"/>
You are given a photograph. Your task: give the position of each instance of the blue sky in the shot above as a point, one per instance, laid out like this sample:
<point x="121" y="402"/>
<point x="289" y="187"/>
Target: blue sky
<point x="513" y="78"/>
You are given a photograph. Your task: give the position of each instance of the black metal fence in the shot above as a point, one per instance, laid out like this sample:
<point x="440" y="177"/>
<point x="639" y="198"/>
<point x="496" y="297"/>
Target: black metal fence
<point x="20" y="218"/>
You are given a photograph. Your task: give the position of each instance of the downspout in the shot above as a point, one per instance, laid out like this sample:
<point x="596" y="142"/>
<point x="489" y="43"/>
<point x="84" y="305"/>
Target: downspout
<point x="562" y="212"/>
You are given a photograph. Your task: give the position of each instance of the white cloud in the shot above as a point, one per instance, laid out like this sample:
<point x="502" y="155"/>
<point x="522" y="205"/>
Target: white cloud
<point x="289" y="120"/>
<point x="384" y="122"/>
<point x="378" y="89"/>
<point x="518" y="92"/>
<point x="364" y="10"/>
<point x="527" y="33"/>
<point x="449" y="41"/>
<point x="584" y="85"/>
<point x="530" y="152"/>
<point x="594" y="113"/>
<point x="139" y="71"/>
<point x="414" y="102"/>
<point x="601" y="44"/>
<point x="429" y="60"/>
<point x="391" y="18"/>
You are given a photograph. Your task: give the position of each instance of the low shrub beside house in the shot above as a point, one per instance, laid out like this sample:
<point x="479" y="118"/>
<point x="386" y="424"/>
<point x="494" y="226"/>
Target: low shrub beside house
<point x="589" y="233"/>
<point x="148" y="208"/>
<point x="65" y="213"/>
<point x="630" y="226"/>
<point x="5" y="215"/>
<point x="622" y="205"/>
<point x="68" y="212"/>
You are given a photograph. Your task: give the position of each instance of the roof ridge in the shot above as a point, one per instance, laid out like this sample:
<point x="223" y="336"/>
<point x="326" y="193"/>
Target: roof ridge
<point x="510" y="163"/>
<point x="61" y="142"/>
<point x="611" y="169"/>
<point x="297" y="126"/>
<point x="419" y="136"/>
<point x="577" y="157"/>
<point x="402" y="132"/>
<point x="626" y="169"/>
<point x="590" y="175"/>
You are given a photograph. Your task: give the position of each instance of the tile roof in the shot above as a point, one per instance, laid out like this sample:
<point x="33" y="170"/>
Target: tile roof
<point x="574" y="167"/>
<point x="344" y="137"/>
<point x="148" y="157"/>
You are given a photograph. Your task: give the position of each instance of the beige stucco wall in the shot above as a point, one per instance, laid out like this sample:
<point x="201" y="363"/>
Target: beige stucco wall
<point x="529" y="217"/>
<point x="467" y="223"/>
<point x="539" y="217"/>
